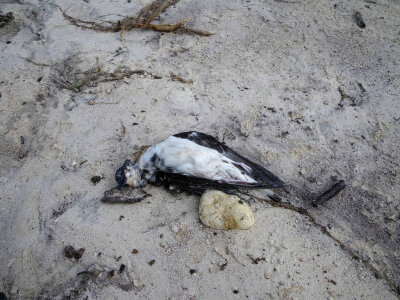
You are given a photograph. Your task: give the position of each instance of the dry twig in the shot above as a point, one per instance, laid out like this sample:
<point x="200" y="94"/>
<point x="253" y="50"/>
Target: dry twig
<point x="329" y="194"/>
<point x="175" y="77"/>
<point x="142" y="21"/>
<point x="96" y="75"/>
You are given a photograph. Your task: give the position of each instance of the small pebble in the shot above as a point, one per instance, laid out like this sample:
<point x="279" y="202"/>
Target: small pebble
<point x="175" y="228"/>
<point x="135" y="251"/>
<point x="96" y="179"/>
<point x="152" y="262"/>
<point x="192" y="271"/>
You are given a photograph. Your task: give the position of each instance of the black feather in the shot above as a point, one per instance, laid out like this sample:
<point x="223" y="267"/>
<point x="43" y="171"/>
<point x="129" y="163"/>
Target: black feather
<point x="120" y="174"/>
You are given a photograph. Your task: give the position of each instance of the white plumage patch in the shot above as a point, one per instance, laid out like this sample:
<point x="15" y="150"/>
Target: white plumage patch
<point x="177" y="155"/>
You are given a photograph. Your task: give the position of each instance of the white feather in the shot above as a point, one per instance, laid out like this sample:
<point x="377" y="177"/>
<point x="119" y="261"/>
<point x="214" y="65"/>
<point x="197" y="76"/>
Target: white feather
<point x="189" y="158"/>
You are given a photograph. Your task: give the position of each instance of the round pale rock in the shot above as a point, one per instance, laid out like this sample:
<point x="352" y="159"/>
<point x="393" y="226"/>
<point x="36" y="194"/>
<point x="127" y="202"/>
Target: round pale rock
<point x="221" y="211"/>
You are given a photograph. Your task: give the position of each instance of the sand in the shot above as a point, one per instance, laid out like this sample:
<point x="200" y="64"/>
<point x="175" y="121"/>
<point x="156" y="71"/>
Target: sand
<point x="296" y="86"/>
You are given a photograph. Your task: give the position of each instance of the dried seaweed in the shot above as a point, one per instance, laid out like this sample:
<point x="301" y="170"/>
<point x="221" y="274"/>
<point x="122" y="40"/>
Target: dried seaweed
<point x="96" y="75"/>
<point x="37" y="63"/>
<point x="142" y="21"/>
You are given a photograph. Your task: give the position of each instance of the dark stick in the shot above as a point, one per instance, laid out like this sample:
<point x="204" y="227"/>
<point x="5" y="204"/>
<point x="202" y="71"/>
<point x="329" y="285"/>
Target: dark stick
<point x="122" y="200"/>
<point x="125" y="195"/>
<point x="329" y="194"/>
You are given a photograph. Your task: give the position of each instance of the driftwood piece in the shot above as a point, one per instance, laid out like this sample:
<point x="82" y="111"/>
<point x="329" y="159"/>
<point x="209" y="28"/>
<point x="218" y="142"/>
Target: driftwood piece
<point x="329" y="194"/>
<point x="126" y="195"/>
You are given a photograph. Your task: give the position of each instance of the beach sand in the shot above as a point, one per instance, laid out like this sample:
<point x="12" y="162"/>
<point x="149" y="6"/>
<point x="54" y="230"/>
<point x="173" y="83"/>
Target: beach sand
<point x="296" y="86"/>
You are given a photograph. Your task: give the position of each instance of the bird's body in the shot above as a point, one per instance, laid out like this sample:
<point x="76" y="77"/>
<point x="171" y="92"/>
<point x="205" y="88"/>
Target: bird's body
<point x="196" y="161"/>
<point x="182" y="156"/>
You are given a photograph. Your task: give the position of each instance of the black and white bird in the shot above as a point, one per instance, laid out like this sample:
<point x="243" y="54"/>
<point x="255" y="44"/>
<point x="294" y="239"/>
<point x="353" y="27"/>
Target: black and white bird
<point x="195" y="162"/>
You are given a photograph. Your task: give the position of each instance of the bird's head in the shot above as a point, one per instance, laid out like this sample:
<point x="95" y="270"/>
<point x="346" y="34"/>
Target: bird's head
<point x="129" y="174"/>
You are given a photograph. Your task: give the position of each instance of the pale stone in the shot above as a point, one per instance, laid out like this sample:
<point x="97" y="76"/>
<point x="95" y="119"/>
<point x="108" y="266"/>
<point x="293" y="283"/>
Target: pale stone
<point x="221" y="211"/>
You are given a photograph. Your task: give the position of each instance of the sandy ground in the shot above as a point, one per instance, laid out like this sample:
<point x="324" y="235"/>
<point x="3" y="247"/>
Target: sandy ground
<point x="294" y="85"/>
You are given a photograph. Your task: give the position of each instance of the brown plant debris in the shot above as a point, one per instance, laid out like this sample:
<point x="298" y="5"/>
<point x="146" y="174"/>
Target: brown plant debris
<point x="96" y="75"/>
<point x="256" y="260"/>
<point x="124" y="195"/>
<point x="70" y="252"/>
<point x="296" y="117"/>
<point x="175" y="77"/>
<point x="142" y="21"/>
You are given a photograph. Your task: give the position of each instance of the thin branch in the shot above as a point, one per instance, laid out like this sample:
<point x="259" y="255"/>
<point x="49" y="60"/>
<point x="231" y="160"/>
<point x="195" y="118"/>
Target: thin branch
<point x="141" y="21"/>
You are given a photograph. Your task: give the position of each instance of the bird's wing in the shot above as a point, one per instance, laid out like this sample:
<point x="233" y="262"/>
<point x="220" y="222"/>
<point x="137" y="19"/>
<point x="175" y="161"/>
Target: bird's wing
<point x="263" y="177"/>
<point x="197" y="185"/>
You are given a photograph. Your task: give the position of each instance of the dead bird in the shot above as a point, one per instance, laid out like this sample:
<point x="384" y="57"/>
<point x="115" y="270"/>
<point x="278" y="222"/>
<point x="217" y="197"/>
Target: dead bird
<point x="194" y="162"/>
